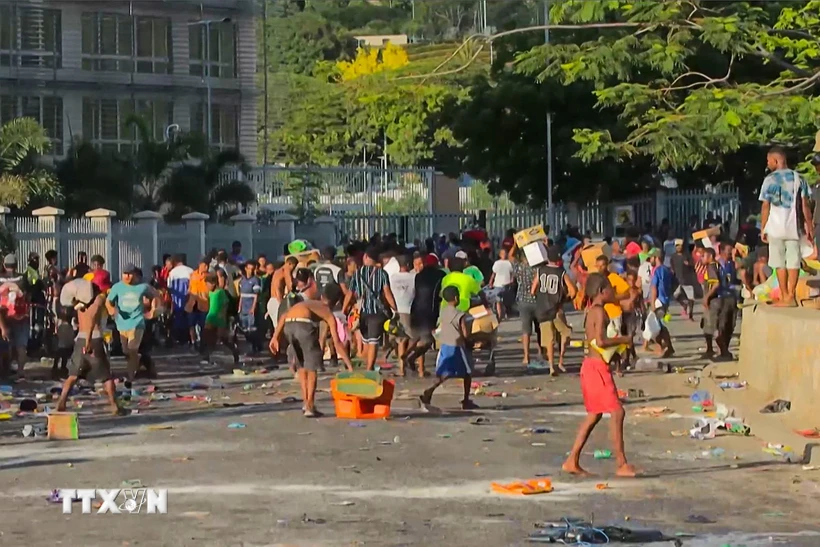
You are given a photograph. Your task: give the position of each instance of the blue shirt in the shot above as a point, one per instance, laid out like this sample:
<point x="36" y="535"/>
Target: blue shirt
<point x="778" y="185"/>
<point x="662" y="281"/>
<point x="726" y="277"/>
<point x="130" y="309"/>
<point x="248" y="288"/>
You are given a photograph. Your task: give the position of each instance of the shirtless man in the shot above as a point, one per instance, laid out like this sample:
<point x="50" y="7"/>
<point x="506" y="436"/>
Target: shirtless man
<point x="280" y="285"/>
<point x="300" y="327"/>
<point x="89" y="347"/>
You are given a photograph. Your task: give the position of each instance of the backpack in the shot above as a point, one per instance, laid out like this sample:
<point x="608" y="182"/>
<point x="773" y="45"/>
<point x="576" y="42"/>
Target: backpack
<point x="325" y="276"/>
<point x="13" y="301"/>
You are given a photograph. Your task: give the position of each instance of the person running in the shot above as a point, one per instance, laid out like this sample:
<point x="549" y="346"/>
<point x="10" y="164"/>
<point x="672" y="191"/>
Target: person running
<point x="684" y="269"/>
<point x="453" y="360"/>
<point x="551" y="288"/>
<point x="325" y="275"/>
<point x="502" y="280"/>
<point x="597" y="385"/>
<point x="299" y="326"/>
<point x="659" y="299"/>
<point x="403" y="286"/>
<point x="281" y="285"/>
<point x="14" y="306"/>
<point x="216" y="322"/>
<point x="369" y="286"/>
<point x="249" y="289"/>
<point x="125" y="304"/>
<point x="197" y="305"/>
<point x="424" y="313"/>
<point x="89" y="354"/>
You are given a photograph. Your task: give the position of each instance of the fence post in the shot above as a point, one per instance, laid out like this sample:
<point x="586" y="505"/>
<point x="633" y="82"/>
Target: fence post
<point x="101" y="222"/>
<point x="573" y="217"/>
<point x="195" y="224"/>
<point x="48" y="224"/>
<point x="660" y="206"/>
<point x="244" y="222"/>
<point x="326" y="231"/>
<point x="148" y="221"/>
<point x="286" y="226"/>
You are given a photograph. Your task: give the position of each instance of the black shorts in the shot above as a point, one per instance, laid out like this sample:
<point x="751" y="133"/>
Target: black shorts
<point x="727" y="314"/>
<point x="303" y="340"/>
<point x="372" y="328"/>
<point x="528" y="319"/>
<point x="96" y="362"/>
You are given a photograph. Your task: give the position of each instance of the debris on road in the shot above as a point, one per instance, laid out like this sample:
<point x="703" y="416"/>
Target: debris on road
<point x="523" y="488"/>
<point x="779" y="405"/>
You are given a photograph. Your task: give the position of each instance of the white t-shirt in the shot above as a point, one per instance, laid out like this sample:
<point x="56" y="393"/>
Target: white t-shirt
<point x="403" y="287"/>
<point x="645" y="275"/>
<point x="392" y="266"/>
<point x="503" y="270"/>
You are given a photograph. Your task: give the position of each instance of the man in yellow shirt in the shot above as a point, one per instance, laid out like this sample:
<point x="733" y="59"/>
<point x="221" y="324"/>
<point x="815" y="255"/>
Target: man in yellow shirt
<point x="621" y="292"/>
<point x="197" y="305"/>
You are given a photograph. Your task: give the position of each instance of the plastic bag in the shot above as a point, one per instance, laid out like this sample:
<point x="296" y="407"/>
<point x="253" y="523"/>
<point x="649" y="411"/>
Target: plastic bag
<point x="652" y="326"/>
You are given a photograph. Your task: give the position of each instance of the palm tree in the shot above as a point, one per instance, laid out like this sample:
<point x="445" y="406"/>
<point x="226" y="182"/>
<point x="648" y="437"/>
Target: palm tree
<point x="203" y="185"/>
<point x="92" y="179"/>
<point x="22" y="180"/>
<point x="153" y="162"/>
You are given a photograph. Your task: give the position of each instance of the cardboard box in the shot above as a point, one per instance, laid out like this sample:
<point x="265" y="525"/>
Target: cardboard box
<point x="530" y="235"/>
<point x="63" y="426"/>
<point x="591" y="252"/>
<point x="483" y="320"/>
<point x="536" y="253"/>
<point x="742" y="250"/>
<point x="713" y="231"/>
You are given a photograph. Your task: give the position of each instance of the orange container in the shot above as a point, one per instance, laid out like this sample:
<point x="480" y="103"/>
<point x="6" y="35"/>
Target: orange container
<point x="356" y="408"/>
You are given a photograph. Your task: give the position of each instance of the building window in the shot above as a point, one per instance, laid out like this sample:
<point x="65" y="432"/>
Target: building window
<point x="224" y="124"/>
<point x="105" y="121"/>
<point x="121" y="43"/>
<point x="221" y="43"/>
<point x="47" y="111"/>
<point x="30" y="37"/>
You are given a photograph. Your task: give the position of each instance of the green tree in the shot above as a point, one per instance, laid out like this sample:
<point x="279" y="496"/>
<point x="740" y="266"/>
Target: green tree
<point x="92" y="179"/>
<point x="199" y="185"/>
<point x="693" y="80"/>
<point x="22" y="181"/>
<point x="297" y="42"/>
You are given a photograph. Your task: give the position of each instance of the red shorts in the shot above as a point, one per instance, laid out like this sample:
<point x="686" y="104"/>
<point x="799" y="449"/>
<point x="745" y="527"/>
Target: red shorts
<point x="598" y="387"/>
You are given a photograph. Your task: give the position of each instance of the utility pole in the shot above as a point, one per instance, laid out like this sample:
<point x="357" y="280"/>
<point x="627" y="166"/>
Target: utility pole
<point x="265" y="63"/>
<point x="549" y="122"/>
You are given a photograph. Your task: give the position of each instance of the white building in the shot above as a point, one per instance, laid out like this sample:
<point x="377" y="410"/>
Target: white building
<point x="81" y="67"/>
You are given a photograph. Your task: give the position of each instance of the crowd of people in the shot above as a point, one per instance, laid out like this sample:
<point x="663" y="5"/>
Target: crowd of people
<point x="448" y="292"/>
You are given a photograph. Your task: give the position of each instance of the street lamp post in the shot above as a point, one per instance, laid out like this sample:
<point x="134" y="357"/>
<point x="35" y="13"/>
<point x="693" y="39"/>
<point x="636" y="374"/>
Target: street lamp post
<point x="206" y="61"/>
<point x="549" y="123"/>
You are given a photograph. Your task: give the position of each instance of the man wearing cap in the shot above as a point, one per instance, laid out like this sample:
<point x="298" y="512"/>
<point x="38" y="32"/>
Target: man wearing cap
<point x="14" y="304"/>
<point x="125" y="304"/>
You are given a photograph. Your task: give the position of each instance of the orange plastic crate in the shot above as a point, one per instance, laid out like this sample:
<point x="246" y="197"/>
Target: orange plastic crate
<point x="355" y="408"/>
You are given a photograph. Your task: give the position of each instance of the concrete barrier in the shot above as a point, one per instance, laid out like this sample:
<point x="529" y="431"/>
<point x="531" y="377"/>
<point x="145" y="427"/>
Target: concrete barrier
<point x="780" y="355"/>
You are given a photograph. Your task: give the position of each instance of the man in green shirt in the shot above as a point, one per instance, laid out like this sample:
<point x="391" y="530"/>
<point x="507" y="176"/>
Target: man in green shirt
<point x="216" y="322"/>
<point x="467" y="286"/>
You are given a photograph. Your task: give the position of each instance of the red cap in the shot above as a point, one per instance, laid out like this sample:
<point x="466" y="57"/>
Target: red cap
<point x="102" y="279"/>
<point x="431" y="260"/>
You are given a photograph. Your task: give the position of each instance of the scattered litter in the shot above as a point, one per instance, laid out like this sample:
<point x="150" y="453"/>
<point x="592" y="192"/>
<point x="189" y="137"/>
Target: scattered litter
<point x="287" y="400"/>
<point x="779" y="405"/>
<point x="5" y="416"/>
<point x="236" y="425"/>
<point x="344" y="503"/>
<point x="196" y="514"/>
<point x="396" y="440"/>
<point x="573" y="531"/>
<point x="444" y="436"/>
<point x="727" y="376"/>
<point x="481" y="420"/>
<point x="713" y="453"/>
<point x="183" y="459"/>
<point x="811" y="467"/>
<point x="780" y="450"/>
<point x="539" y="444"/>
<point x="307" y="520"/>
<point x="653" y="411"/>
<point x="704" y="429"/>
<point x="33" y="430"/>
<point x="304" y="433"/>
<point x="679" y="433"/>
<point x="602" y="486"/>
<point x="773" y="514"/>
<point x="28" y="405"/>
<point x="700" y="396"/>
<point x="523" y="488"/>
<point x="698" y="519"/>
<point x="357" y="424"/>
<point x="813" y="433"/>
<point x="131" y="483"/>
<point x="534" y="430"/>
<point x="159" y="427"/>
<point x="239" y="372"/>
<point x="602" y="454"/>
<point x="732" y="385"/>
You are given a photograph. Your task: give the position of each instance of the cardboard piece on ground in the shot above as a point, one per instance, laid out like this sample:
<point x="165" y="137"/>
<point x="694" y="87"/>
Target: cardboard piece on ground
<point x="709" y="232"/>
<point x="530" y="235"/>
<point x="63" y="426"/>
<point x="535" y="253"/>
<point x="591" y="252"/>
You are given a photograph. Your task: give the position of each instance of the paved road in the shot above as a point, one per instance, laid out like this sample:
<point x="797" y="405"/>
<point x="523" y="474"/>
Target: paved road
<point x="417" y="479"/>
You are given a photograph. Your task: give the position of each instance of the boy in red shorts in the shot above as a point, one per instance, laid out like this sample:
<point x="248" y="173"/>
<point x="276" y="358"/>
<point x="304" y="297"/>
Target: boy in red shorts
<point x="597" y="385"/>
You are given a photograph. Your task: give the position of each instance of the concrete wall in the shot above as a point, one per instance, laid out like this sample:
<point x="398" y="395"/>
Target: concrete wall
<point x="780" y="354"/>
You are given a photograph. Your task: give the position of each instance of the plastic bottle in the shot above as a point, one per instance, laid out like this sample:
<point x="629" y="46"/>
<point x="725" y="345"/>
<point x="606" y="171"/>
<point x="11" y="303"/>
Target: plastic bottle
<point x="602" y="454"/>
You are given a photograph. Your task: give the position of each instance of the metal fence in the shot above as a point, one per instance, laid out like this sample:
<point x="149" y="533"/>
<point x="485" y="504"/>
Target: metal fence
<point x="142" y="241"/>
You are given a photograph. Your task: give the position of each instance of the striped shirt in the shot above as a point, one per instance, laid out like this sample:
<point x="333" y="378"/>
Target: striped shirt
<point x="368" y="285"/>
